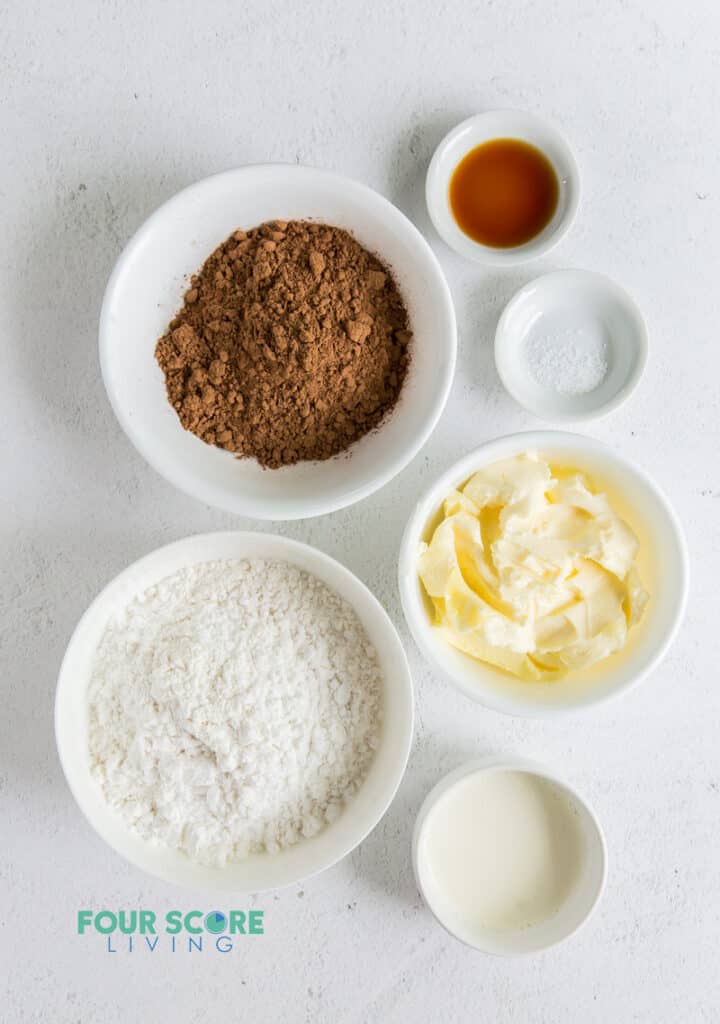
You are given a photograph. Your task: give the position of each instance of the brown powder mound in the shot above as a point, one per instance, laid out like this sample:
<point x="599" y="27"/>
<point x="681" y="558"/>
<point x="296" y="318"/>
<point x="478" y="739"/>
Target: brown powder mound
<point x="292" y="343"/>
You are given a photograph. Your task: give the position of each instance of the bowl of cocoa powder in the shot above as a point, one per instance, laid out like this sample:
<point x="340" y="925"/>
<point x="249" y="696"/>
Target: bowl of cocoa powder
<point x="278" y="341"/>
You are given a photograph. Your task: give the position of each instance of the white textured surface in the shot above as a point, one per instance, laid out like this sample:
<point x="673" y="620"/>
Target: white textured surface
<point x="106" y="110"/>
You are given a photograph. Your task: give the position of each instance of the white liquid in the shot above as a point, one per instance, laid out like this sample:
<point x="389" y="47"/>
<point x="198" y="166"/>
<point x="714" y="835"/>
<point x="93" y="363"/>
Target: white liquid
<point x="502" y="850"/>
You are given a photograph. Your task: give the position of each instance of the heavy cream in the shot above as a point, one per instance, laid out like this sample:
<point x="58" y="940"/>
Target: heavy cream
<point x="501" y="851"/>
<point x="532" y="570"/>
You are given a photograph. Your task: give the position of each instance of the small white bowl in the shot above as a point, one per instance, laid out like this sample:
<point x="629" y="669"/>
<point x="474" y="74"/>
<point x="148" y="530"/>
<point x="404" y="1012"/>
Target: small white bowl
<point x="663" y="563"/>
<point x="591" y="315"/>
<point x="502" y="124"/>
<point x="581" y="901"/>
<point x="267" y="871"/>
<point x="145" y="291"/>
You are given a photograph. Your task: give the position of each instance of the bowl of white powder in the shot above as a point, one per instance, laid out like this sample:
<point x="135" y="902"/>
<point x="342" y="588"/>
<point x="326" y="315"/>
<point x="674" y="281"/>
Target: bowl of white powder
<point x="571" y="345"/>
<point x="234" y="711"/>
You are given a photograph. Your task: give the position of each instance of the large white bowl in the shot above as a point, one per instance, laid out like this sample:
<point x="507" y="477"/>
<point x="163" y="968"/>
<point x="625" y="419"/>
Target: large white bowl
<point x="663" y="563"/>
<point x="146" y="289"/>
<point x="259" y="872"/>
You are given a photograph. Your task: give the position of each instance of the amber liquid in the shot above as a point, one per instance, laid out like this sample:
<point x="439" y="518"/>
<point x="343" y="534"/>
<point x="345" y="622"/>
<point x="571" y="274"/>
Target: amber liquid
<point x="503" y="193"/>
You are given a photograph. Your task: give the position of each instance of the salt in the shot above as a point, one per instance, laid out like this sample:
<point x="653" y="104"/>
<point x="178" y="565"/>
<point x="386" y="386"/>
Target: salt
<point x="570" y="361"/>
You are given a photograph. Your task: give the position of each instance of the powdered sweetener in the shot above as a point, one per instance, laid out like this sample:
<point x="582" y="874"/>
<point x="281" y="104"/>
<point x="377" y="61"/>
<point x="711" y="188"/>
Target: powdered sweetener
<point x="233" y="708"/>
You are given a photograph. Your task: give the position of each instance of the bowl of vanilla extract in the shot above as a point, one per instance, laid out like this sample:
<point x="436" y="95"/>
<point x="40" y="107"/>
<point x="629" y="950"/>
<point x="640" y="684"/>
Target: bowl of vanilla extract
<point x="503" y="187"/>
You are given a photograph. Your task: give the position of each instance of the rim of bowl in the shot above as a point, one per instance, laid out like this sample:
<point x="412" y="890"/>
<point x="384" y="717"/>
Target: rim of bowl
<point x="517" y="764"/>
<point x="610" y="285"/>
<point x="436" y="187"/>
<point x="64" y="682"/>
<point x="462" y="470"/>
<point x="258" y="508"/>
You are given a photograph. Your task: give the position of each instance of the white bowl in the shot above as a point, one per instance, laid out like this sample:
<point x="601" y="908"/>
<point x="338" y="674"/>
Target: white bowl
<point x="258" y="872"/>
<point x="663" y="563"/>
<point x="502" y="124"/>
<point x="581" y="901"/>
<point x="586" y="311"/>
<point x="145" y="291"/>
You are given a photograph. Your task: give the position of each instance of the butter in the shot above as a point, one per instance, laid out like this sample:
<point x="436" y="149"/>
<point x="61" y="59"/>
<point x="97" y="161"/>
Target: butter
<point x="531" y="570"/>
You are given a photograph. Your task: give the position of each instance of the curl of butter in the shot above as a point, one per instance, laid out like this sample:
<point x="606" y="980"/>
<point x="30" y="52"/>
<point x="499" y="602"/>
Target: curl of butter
<point x="532" y="571"/>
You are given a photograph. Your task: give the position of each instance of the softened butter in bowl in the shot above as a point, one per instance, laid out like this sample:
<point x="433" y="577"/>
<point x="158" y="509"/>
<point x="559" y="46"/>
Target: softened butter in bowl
<point x="531" y="569"/>
<point x="630" y="612"/>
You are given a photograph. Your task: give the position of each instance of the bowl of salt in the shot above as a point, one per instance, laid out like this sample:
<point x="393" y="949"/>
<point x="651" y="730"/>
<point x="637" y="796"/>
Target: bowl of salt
<point x="571" y="345"/>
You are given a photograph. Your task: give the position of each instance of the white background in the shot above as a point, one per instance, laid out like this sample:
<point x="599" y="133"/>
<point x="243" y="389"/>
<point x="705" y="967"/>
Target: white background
<point x="106" y="110"/>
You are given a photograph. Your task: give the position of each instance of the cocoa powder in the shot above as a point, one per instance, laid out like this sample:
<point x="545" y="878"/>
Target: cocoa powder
<point x="292" y="343"/>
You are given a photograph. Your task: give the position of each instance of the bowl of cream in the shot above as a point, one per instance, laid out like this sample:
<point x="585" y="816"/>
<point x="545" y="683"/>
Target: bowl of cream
<point x="509" y="858"/>
<point x="543" y="573"/>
